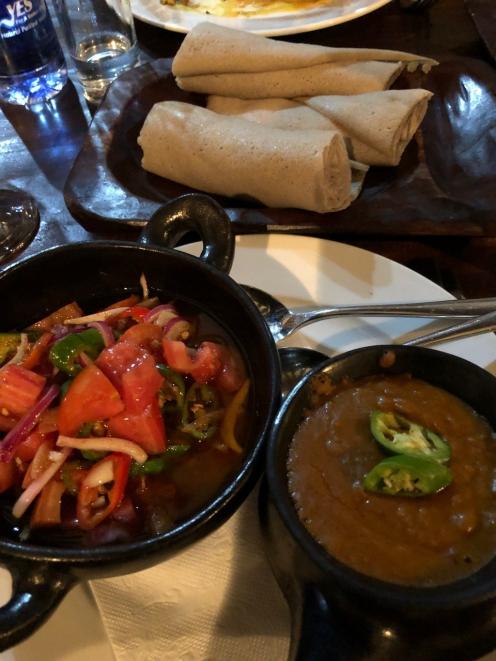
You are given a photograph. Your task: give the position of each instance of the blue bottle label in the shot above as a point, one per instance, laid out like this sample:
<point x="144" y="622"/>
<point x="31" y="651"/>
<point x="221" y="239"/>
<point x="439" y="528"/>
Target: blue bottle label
<point x="28" y="39"/>
<point x="20" y="17"/>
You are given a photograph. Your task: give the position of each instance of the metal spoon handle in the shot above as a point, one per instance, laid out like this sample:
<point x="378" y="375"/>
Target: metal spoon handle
<point x="299" y="317"/>
<point x="475" y="326"/>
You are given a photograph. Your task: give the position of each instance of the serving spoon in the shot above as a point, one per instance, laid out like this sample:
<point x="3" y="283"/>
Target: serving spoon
<point x="483" y="323"/>
<point x="283" y="321"/>
<point x="298" y="361"/>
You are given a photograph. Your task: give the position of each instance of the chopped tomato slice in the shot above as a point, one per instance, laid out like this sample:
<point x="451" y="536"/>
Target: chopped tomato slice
<point x="133" y="371"/>
<point x="91" y="396"/>
<point x="27" y="449"/>
<point x="136" y="312"/>
<point x="204" y="364"/>
<point x="45" y="430"/>
<point x="233" y="374"/>
<point x="48" y="505"/>
<point x="96" y="501"/>
<point x="48" y="420"/>
<point x="7" y="422"/>
<point x="115" y="360"/>
<point x="38" y="351"/>
<point x="140" y="384"/>
<point x="19" y="390"/>
<point x="178" y="356"/>
<point x="208" y="362"/>
<point x="146" y="428"/>
<point x="144" y="335"/>
<point x="68" y="311"/>
<point x="125" y="302"/>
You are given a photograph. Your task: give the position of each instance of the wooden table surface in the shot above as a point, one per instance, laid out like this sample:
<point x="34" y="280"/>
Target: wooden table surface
<point x="37" y="149"/>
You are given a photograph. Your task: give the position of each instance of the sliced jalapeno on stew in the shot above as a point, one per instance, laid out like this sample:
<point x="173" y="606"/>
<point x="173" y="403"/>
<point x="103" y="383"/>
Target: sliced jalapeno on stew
<point x="402" y="436"/>
<point x="407" y="476"/>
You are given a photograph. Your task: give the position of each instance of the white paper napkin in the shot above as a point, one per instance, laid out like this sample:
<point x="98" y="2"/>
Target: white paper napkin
<point x="216" y="600"/>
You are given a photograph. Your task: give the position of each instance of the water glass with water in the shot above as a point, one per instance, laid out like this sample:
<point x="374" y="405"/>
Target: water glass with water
<point x="101" y="39"/>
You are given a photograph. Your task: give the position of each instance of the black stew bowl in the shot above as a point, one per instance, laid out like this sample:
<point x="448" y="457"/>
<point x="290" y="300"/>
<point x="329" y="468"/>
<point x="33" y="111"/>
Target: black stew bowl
<point x="97" y="273"/>
<point x="339" y="613"/>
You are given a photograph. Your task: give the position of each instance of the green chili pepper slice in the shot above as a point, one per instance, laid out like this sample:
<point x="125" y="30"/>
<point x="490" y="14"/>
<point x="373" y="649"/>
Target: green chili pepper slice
<point x="161" y="462"/>
<point x="93" y="455"/>
<point x="65" y="352"/>
<point x="402" y="436"/>
<point x="64" y="388"/>
<point x="72" y="474"/>
<point x="173" y="391"/>
<point x="85" y="430"/>
<point x="201" y="411"/>
<point x="407" y="476"/>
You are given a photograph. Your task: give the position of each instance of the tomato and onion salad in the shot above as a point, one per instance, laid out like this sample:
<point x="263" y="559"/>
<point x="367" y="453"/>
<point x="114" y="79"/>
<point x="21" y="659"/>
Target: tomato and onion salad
<point x="117" y="423"/>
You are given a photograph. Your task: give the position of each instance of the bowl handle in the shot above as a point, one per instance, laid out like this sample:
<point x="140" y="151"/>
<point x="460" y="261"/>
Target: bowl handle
<point x="36" y="591"/>
<point x="198" y="213"/>
<point x="315" y="635"/>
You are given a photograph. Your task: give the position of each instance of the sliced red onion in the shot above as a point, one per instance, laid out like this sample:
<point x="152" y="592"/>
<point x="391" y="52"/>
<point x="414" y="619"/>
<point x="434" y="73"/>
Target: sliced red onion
<point x="84" y="359"/>
<point x="177" y="329"/>
<point x="155" y="312"/>
<point x="26" y="424"/>
<point x="29" y="494"/>
<point x="59" y="331"/>
<point x="98" y="316"/>
<point x="104" y="444"/>
<point x="105" y="331"/>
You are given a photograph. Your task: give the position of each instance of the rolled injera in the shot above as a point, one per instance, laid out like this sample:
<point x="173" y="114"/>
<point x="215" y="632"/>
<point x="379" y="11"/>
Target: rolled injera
<point x="238" y="158"/>
<point x="209" y="48"/>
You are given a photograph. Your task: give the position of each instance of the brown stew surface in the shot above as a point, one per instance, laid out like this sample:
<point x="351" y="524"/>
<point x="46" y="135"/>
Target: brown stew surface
<point x="429" y="540"/>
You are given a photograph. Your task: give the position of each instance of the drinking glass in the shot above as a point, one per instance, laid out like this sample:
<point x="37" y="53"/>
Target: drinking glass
<point x="101" y="40"/>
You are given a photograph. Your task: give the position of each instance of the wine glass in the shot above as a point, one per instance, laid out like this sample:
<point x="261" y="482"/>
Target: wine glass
<point x="19" y="222"/>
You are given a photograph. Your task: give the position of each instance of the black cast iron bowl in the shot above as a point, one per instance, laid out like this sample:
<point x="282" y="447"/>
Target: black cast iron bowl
<point x="339" y="613"/>
<point x="102" y="272"/>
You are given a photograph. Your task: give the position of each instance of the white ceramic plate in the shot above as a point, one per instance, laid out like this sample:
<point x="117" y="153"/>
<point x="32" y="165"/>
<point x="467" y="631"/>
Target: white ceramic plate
<point x="302" y="20"/>
<point x="298" y="270"/>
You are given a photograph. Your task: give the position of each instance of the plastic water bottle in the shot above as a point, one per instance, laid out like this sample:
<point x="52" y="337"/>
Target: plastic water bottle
<point x="32" y="65"/>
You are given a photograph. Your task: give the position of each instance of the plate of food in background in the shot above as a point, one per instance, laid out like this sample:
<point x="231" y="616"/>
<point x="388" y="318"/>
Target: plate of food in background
<point x="266" y="17"/>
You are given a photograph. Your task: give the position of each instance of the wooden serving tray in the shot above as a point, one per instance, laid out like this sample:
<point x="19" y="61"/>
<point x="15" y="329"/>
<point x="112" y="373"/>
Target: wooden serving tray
<point x="444" y="185"/>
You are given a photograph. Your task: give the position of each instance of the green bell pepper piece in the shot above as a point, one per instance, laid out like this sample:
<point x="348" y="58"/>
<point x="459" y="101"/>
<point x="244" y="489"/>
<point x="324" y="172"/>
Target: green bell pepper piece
<point x="65" y="352"/>
<point x="407" y="476"/>
<point x="159" y="463"/>
<point x="402" y="436"/>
